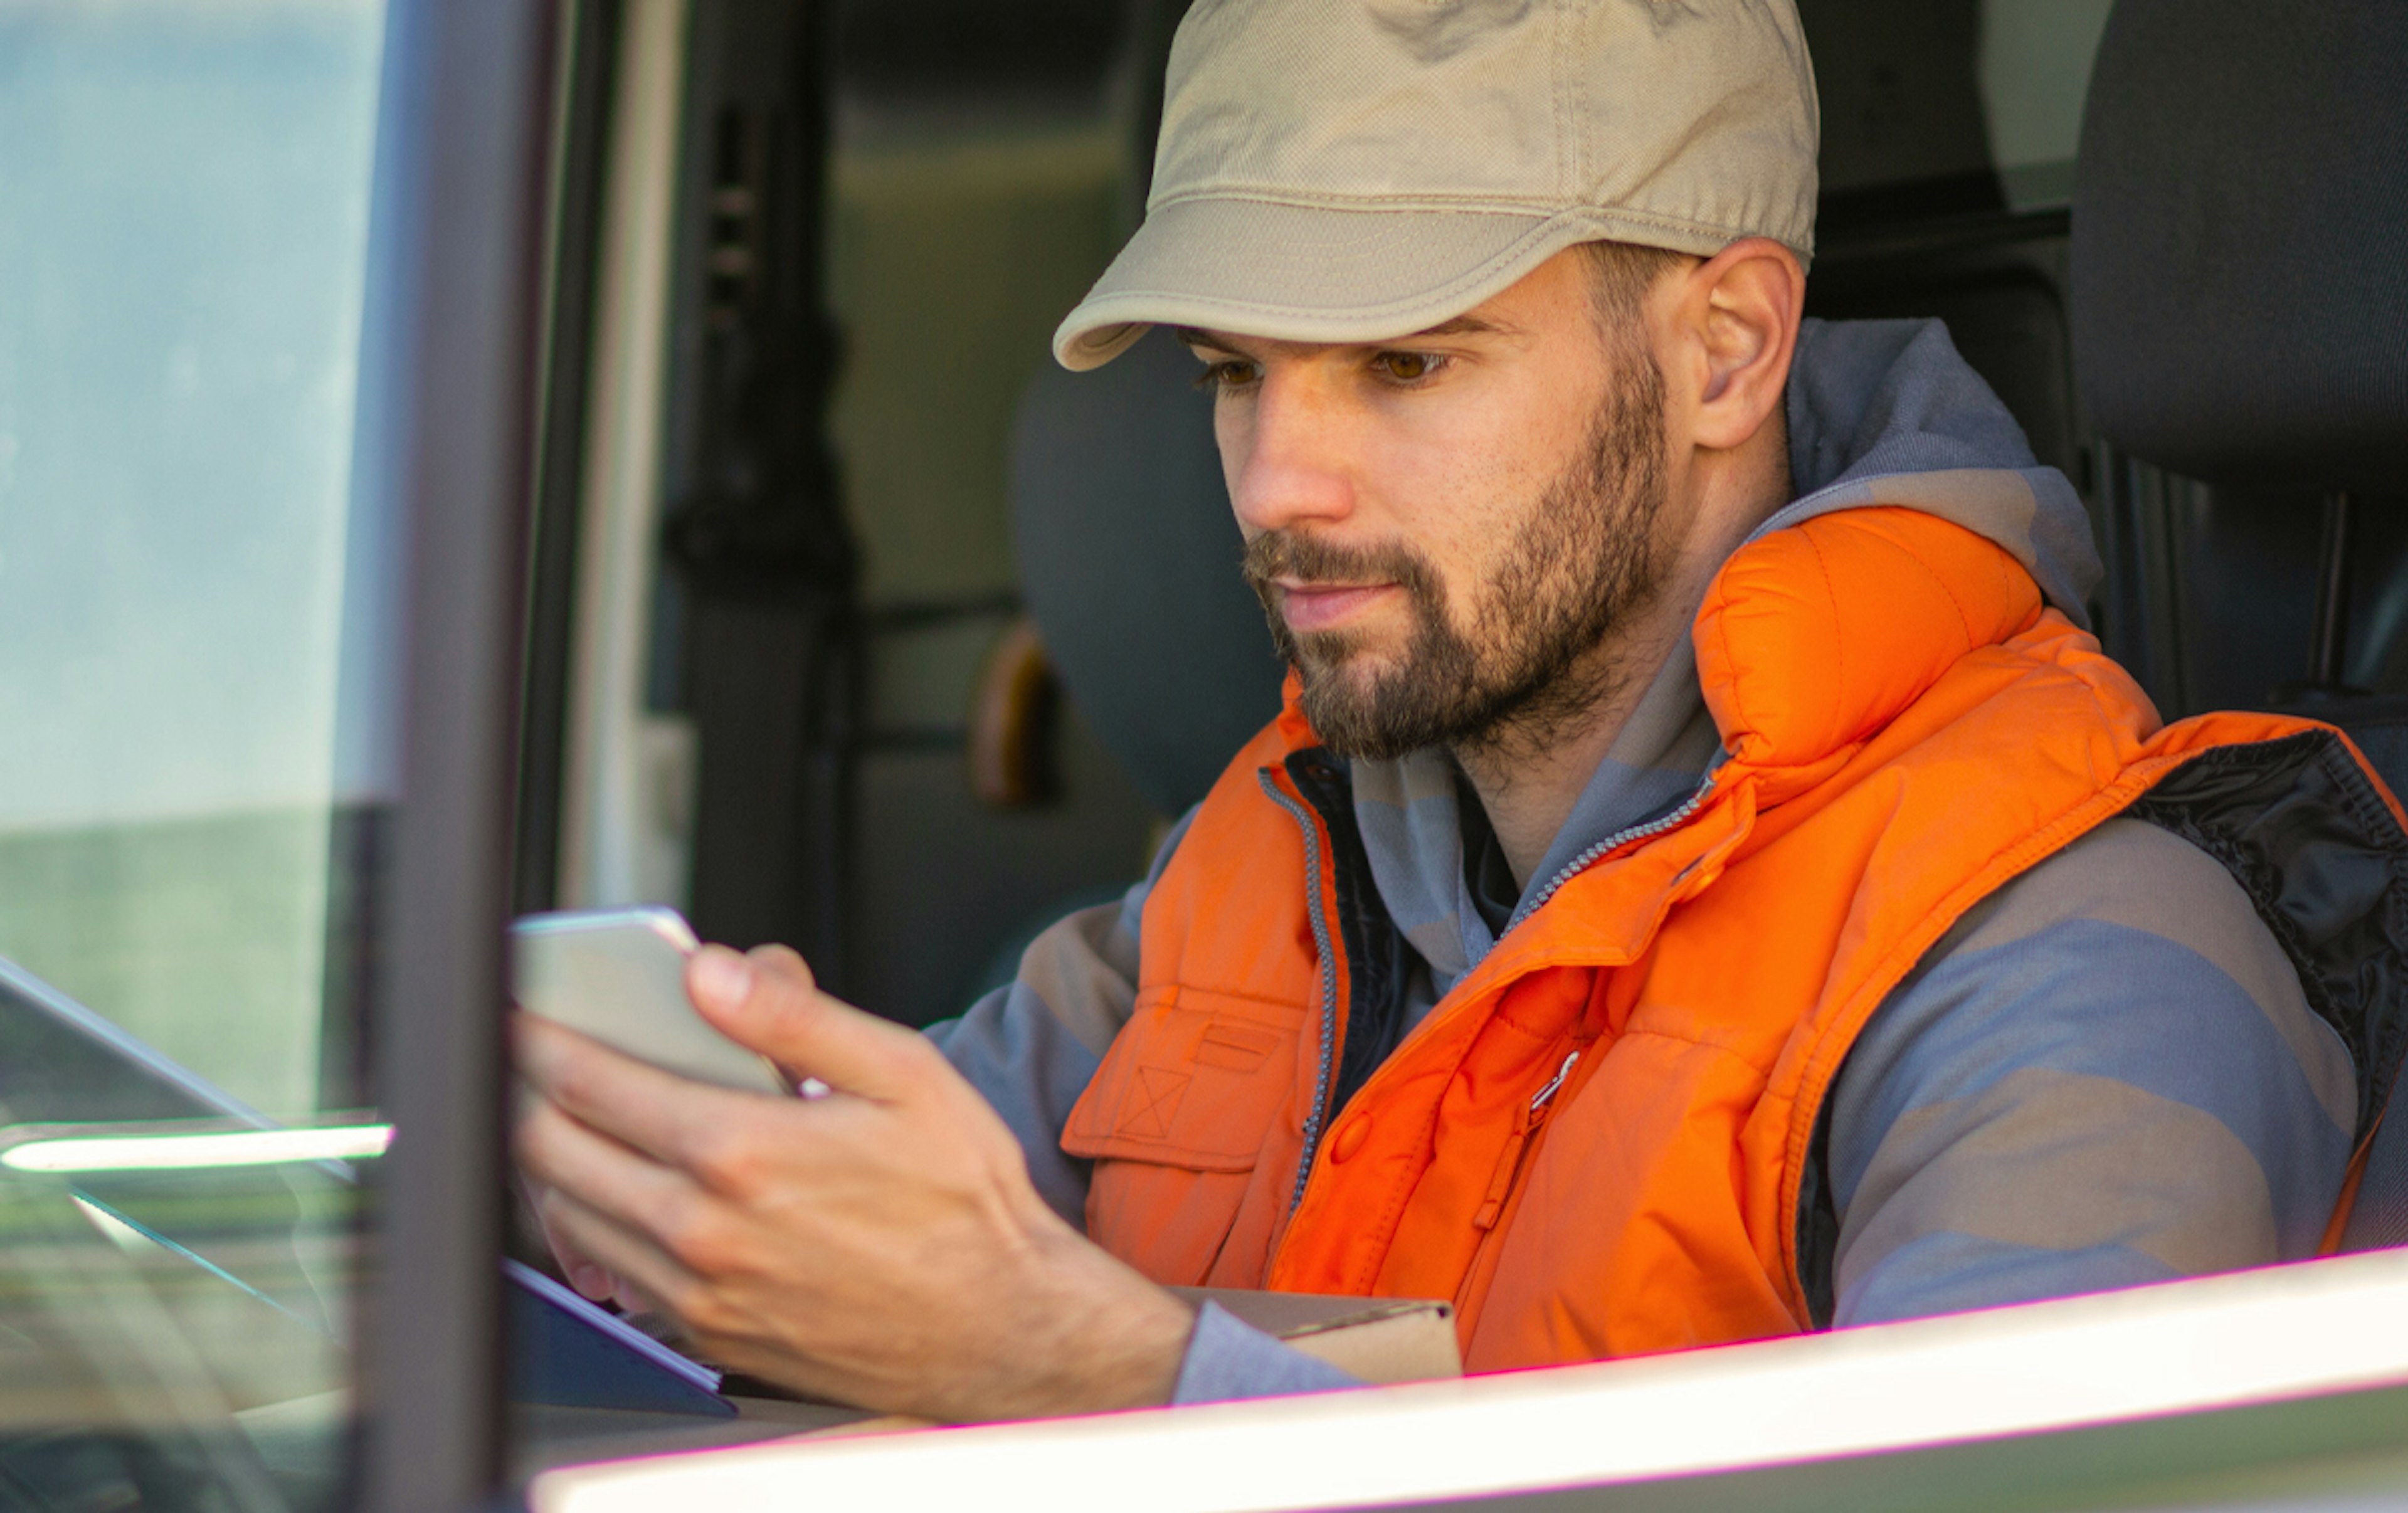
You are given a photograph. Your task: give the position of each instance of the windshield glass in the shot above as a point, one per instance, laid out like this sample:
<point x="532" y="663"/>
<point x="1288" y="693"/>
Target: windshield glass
<point x="187" y="803"/>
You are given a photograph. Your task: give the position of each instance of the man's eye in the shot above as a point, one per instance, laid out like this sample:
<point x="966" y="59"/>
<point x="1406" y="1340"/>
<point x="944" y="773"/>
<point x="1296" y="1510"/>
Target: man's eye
<point x="1231" y="373"/>
<point x="1407" y="367"/>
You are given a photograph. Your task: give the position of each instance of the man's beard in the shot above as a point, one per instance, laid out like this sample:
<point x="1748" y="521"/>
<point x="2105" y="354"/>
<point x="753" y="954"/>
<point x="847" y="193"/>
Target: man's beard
<point x="1530" y="664"/>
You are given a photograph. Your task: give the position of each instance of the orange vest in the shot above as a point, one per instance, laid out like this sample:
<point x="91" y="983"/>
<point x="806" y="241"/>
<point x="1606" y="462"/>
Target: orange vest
<point x="1602" y="1141"/>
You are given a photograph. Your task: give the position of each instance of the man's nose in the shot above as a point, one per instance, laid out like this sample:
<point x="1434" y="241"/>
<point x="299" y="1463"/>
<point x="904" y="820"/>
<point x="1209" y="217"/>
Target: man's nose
<point x="1288" y="455"/>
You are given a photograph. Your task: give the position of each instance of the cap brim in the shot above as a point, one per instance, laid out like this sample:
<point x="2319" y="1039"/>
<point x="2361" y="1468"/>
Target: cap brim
<point x="1309" y="273"/>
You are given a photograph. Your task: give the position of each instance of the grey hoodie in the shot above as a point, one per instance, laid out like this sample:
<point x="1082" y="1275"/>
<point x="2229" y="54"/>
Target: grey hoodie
<point x="2105" y="1074"/>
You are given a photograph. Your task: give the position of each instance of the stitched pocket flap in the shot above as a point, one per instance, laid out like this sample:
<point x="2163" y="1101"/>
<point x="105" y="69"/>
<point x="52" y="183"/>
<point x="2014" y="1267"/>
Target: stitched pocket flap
<point x="1195" y="1079"/>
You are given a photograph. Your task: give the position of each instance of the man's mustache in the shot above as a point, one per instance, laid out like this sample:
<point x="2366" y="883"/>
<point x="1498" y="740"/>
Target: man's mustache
<point x="1313" y="559"/>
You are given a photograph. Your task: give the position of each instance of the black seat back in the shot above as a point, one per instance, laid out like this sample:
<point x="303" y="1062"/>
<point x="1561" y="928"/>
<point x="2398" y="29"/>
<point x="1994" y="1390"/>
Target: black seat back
<point x="2241" y="240"/>
<point x="2240" y="301"/>
<point x="1129" y="559"/>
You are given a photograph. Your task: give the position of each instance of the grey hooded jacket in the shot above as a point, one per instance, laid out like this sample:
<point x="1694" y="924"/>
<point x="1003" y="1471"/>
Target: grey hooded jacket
<point x="2106" y="1074"/>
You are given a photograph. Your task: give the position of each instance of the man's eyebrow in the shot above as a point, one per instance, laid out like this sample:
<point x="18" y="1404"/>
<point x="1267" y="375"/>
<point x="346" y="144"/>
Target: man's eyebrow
<point x="1198" y="336"/>
<point x="1462" y="325"/>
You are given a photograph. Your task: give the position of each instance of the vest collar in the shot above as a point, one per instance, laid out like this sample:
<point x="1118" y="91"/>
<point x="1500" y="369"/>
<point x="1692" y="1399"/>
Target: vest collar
<point x="1814" y="637"/>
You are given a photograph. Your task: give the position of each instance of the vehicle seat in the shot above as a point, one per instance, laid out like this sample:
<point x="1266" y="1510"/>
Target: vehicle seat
<point x="2240" y="309"/>
<point x="1128" y="564"/>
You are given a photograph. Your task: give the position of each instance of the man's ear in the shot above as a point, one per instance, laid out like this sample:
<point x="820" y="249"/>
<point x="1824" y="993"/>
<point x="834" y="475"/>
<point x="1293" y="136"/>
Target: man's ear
<point x="1736" y="326"/>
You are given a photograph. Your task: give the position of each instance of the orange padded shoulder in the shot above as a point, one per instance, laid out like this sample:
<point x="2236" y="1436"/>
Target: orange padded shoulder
<point x="1814" y="637"/>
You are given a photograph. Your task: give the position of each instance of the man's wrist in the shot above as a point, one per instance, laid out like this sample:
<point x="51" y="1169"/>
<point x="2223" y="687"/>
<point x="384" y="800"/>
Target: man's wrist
<point x="1147" y="1376"/>
<point x="1128" y="1338"/>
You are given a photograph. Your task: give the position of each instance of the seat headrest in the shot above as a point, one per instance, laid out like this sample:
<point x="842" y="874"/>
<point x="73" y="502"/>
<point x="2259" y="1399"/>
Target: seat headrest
<point x="2241" y="240"/>
<point x="1129" y="561"/>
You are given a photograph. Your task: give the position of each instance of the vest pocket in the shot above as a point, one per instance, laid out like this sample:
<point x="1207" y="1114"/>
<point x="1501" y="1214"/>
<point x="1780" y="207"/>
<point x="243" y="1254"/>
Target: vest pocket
<point x="1197" y="1081"/>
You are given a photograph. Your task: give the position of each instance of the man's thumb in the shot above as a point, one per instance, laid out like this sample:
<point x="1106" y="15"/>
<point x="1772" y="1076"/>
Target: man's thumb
<point x="768" y="1001"/>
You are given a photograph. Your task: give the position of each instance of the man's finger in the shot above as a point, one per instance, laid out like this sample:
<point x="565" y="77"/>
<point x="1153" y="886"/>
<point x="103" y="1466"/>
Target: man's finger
<point x="566" y="1156"/>
<point x="635" y="1261"/>
<point x="677" y="1231"/>
<point x="590" y="1281"/>
<point x="766" y="1001"/>
<point x="661" y="1114"/>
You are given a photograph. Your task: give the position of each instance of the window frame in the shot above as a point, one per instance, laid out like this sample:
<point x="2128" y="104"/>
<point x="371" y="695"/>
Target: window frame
<point x="2150" y="1397"/>
<point x="449" y="380"/>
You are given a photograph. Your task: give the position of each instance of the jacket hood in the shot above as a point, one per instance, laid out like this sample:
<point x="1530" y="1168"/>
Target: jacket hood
<point x="1885" y="412"/>
<point x="1880" y="413"/>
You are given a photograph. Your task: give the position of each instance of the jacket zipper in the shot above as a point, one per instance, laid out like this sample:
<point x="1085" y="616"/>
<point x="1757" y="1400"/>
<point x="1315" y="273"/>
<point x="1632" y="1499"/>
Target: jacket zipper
<point x="1527" y="1121"/>
<point x="1517" y="1147"/>
<point x="1321" y="946"/>
<point x="1689" y="806"/>
<point x="1534" y="1114"/>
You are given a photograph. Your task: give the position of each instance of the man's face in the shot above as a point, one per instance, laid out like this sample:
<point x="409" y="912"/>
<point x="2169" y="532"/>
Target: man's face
<point x="1443" y="529"/>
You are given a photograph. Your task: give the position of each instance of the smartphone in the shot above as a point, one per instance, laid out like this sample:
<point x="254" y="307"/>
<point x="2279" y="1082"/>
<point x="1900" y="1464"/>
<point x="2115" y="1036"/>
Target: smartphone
<point x="619" y="975"/>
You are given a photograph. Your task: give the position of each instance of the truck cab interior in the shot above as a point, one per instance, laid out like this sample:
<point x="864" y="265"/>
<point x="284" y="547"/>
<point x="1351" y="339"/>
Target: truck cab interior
<point x="977" y="173"/>
<point x="464" y="458"/>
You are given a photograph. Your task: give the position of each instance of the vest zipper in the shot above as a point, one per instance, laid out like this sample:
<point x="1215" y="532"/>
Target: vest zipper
<point x="1517" y="1145"/>
<point x="1322" y="944"/>
<point x="1690" y="805"/>
<point x="1527" y="1122"/>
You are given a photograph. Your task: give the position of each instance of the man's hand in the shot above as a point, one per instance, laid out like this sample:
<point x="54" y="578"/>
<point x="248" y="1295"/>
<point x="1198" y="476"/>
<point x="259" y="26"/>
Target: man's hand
<point x="882" y="1244"/>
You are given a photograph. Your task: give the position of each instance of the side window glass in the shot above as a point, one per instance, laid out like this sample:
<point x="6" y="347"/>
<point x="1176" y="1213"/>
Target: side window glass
<point x="2035" y="72"/>
<point x="1940" y="107"/>
<point x="194" y="669"/>
<point x="183" y="225"/>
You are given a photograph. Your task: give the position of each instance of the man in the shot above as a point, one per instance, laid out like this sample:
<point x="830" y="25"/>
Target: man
<point x="1705" y="883"/>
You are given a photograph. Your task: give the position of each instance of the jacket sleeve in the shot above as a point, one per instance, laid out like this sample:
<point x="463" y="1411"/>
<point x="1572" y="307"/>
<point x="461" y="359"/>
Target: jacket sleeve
<point x="1032" y="1046"/>
<point x="1227" y="1360"/>
<point x="2105" y="1075"/>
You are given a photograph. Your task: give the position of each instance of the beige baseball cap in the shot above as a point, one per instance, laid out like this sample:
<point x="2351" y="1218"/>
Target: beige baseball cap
<point x="1354" y="170"/>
